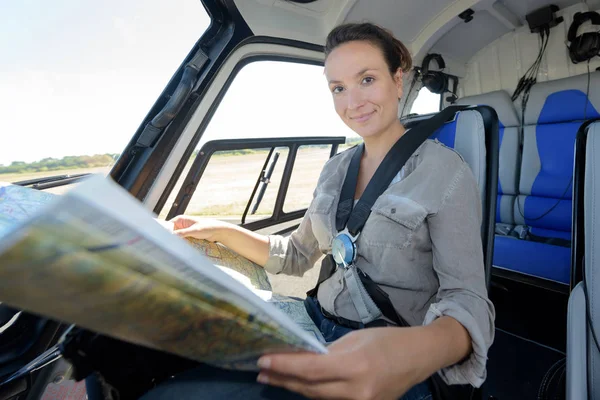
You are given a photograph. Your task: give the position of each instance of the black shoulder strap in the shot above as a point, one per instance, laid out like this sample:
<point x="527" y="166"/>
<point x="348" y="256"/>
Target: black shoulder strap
<point x="355" y="217"/>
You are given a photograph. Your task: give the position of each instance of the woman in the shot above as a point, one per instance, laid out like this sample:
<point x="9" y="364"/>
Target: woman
<point x="420" y="243"/>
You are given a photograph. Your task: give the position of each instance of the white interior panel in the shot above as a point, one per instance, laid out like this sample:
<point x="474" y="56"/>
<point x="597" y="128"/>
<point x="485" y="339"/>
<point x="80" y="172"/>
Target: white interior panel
<point x="305" y="22"/>
<point x="500" y="64"/>
<point x="462" y="43"/>
<point x="406" y="18"/>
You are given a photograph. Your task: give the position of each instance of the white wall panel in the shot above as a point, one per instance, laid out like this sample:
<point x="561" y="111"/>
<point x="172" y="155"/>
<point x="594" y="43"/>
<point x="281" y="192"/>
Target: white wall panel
<point x="501" y="64"/>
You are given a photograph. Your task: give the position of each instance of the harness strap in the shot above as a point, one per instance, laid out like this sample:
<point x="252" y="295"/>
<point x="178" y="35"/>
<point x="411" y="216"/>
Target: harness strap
<point x="364" y="304"/>
<point x="354" y="218"/>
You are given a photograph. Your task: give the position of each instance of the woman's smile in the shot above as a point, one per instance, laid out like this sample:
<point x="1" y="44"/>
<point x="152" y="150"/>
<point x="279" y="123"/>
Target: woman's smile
<point x="364" y="117"/>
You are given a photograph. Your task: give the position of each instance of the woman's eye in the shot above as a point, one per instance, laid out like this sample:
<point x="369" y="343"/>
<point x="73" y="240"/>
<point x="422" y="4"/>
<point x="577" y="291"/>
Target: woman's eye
<point x="337" y="89"/>
<point x="368" y="80"/>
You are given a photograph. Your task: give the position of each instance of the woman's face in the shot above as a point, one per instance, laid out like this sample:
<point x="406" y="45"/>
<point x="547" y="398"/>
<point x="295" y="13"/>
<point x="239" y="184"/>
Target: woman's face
<point x="365" y="94"/>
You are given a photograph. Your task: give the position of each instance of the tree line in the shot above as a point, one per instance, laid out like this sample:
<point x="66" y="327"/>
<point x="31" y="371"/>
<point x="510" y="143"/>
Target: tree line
<point x="55" y="164"/>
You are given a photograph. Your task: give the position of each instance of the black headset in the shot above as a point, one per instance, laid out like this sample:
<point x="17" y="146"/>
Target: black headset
<point x="435" y="81"/>
<point x="587" y="45"/>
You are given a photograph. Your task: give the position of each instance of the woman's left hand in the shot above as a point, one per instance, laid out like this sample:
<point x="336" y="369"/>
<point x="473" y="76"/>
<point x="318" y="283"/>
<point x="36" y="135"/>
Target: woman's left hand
<point x="375" y="363"/>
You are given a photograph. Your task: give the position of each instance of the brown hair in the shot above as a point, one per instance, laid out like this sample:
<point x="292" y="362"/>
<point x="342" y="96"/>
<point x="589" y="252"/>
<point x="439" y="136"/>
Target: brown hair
<point x="394" y="51"/>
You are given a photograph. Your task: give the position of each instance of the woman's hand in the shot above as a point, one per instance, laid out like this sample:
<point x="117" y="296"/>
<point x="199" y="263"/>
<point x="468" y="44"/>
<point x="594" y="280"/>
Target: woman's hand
<point x="248" y="244"/>
<point x="199" y="228"/>
<point x="375" y="363"/>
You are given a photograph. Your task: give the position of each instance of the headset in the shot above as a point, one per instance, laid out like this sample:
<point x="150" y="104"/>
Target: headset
<point x="435" y="81"/>
<point x="587" y="45"/>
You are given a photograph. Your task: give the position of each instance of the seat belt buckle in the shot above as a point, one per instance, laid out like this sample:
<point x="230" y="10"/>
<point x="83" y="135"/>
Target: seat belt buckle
<point x="524" y="233"/>
<point x="343" y="249"/>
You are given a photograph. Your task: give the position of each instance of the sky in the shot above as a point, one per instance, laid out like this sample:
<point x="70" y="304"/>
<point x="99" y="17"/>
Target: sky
<point x="78" y="76"/>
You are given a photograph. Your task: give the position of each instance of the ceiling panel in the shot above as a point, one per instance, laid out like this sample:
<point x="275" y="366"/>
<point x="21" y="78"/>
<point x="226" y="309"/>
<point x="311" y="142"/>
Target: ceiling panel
<point x="466" y="39"/>
<point x="405" y="18"/>
<point x="524" y="7"/>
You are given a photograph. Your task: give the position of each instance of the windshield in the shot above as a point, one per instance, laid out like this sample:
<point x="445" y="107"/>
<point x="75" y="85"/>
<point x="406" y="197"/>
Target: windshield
<point x="77" y="78"/>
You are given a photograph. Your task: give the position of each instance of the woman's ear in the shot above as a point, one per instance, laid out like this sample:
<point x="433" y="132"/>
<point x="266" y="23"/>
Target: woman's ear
<point x="398" y="81"/>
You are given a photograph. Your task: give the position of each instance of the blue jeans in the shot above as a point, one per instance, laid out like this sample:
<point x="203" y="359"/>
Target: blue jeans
<point x="207" y="382"/>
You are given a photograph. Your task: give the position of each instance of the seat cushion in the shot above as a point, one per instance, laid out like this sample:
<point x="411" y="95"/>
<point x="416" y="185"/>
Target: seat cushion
<point x="547" y="177"/>
<point x="533" y="258"/>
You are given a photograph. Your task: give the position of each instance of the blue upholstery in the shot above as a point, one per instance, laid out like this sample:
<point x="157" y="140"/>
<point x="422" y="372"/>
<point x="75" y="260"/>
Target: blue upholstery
<point x="548" y="213"/>
<point x="555" y="148"/>
<point x="567" y="105"/>
<point x="446" y="134"/>
<point x="532" y="258"/>
<point x="543" y="204"/>
<point x="549" y="233"/>
<point x="555" y="111"/>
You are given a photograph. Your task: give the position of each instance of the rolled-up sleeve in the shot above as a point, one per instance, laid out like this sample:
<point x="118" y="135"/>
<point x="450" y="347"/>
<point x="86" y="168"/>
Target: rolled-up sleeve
<point x="455" y="231"/>
<point x="294" y="254"/>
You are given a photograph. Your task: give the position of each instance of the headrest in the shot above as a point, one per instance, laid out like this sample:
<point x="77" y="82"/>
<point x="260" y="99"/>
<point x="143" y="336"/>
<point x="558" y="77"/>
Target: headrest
<point x="564" y="100"/>
<point x="499" y="101"/>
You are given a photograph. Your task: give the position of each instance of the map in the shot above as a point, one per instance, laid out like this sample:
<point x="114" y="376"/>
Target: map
<point x="18" y="203"/>
<point x="294" y="308"/>
<point x="79" y="260"/>
<point x="238" y="267"/>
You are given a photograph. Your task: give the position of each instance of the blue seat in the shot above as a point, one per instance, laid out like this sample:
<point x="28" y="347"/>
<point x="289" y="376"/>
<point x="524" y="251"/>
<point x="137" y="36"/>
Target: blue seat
<point x="542" y="211"/>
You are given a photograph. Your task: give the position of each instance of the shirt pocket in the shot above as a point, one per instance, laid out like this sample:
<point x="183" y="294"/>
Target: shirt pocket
<point x="393" y="221"/>
<point x="321" y="218"/>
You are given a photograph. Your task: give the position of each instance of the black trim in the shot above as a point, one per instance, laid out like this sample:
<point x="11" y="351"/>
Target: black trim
<point x="52" y="181"/>
<point x="260" y="178"/>
<point x="492" y="145"/>
<point x="578" y="230"/>
<point x="530" y="280"/>
<point x="203" y="158"/>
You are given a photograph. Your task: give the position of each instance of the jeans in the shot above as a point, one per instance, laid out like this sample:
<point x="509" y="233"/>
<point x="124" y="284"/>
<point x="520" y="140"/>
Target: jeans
<point x="207" y="382"/>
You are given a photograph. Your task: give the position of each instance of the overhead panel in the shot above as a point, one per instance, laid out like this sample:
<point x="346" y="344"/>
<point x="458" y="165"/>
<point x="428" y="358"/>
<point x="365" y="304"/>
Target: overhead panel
<point x="524" y="7"/>
<point x="467" y="38"/>
<point x="405" y="18"/>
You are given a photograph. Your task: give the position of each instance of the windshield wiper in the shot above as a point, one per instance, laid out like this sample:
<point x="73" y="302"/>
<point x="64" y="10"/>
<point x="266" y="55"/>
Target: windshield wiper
<point x="51" y="181"/>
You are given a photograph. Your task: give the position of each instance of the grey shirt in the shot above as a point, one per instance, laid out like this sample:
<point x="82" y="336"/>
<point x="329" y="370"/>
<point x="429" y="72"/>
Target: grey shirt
<point x="421" y="244"/>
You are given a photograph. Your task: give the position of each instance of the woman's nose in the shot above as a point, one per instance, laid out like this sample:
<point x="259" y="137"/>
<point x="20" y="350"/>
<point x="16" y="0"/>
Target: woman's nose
<point x="355" y="98"/>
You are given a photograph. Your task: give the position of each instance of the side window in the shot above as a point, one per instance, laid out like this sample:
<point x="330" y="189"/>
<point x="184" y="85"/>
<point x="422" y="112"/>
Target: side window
<point x="308" y="165"/>
<point x="426" y="102"/>
<point x="227" y="184"/>
<point x="284" y="101"/>
<point x="77" y="79"/>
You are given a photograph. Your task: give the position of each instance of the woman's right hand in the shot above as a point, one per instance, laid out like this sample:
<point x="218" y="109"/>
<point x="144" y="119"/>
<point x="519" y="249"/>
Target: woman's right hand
<point x="199" y="228"/>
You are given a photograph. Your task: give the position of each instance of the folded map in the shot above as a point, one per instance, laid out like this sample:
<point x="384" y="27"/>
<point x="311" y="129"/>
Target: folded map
<point x="95" y="257"/>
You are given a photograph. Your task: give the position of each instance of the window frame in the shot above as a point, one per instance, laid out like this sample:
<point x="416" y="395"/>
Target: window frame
<point x="278" y="216"/>
<point x="207" y="118"/>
